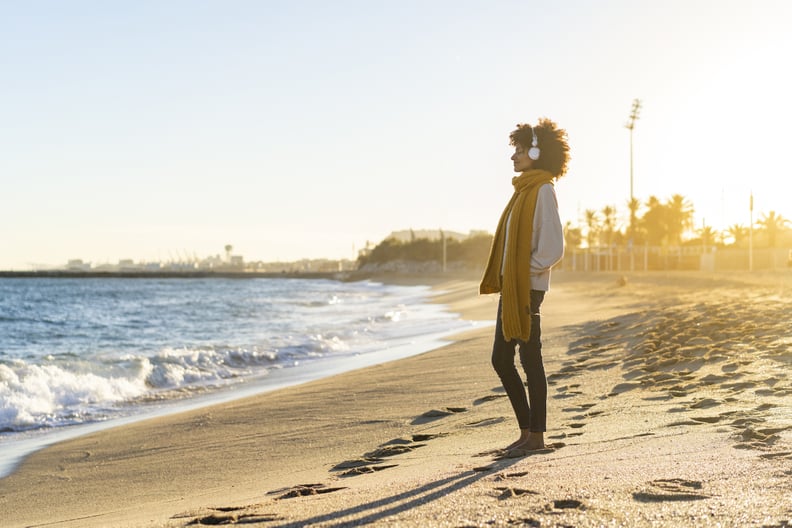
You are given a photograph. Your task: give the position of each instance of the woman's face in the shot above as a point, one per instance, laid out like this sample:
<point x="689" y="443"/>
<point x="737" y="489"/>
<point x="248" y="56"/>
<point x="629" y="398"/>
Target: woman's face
<point x="521" y="160"/>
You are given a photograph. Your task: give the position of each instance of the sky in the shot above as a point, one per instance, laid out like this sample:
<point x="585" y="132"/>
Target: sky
<point x="159" y="129"/>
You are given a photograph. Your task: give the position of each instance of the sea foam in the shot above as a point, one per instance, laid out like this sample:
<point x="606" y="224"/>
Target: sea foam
<point x="120" y="345"/>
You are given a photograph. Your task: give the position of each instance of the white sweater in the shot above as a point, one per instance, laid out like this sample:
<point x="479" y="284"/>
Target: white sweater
<point x="547" y="242"/>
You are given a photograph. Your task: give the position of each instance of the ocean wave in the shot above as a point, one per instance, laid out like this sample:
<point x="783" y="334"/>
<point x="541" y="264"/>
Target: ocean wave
<point x="65" y="393"/>
<point x="35" y="396"/>
<point x="165" y="340"/>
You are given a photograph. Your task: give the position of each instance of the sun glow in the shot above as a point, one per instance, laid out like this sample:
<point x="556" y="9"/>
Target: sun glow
<point x="351" y="130"/>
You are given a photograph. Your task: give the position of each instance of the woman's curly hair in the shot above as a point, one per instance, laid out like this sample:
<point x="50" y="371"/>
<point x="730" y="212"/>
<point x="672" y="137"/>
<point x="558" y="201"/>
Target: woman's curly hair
<point x="552" y="143"/>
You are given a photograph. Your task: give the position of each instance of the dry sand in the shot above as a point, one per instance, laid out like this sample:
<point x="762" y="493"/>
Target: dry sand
<point x="669" y="405"/>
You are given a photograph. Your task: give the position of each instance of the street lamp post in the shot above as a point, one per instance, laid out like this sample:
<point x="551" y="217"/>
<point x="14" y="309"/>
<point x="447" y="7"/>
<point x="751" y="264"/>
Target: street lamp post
<point x="636" y="107"/>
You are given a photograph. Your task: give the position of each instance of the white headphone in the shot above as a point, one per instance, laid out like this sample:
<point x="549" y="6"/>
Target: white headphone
<point x="534" y="151"/>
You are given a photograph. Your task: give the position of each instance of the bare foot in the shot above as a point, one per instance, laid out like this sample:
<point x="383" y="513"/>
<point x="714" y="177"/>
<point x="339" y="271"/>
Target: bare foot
<point x="531" y="442"/>
<point x="535" y="441"/>
<point x="527" y="438"/>
<point x="524" y="435"/>
<point x="514" y="445"/>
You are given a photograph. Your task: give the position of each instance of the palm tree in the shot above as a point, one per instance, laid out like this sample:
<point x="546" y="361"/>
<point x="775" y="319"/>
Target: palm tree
<point x="708" y="236"/>
<point x="592" y="234"/>
<point x="608" y="227"/>
<point x="608" y="223"/>
<point x="573" y="236"/>
<point x="228" y="249"/>
<point x="680" y="217"/>
<point x="654" y="221"/>
<point x="772" y="223"/>
<point x="593" y="227"/>
<point x="738" y="233"/>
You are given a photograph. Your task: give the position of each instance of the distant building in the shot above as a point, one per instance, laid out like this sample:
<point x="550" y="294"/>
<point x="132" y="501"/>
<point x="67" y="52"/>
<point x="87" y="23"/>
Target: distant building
<point x="128" y="265"/>
<point x="78" y="265"/>
<point x="410" y="235"/>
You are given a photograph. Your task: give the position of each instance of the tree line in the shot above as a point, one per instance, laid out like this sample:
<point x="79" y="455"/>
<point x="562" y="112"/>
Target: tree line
<point x="654" y="222"/>
<point x="471" y="252"/>
<point x="670" y="223"/>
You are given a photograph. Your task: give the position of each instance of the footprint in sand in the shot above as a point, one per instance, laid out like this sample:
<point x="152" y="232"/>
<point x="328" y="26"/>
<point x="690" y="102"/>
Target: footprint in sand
<point x="564" y="373"/>
<point x="415" y="438"/>
<point x="230" y="515"/>
<point x="392" y="450"/>
<point x="502" y="454"/>
<point x="705" y="403"/>
<point x="434" y="414"/>
<point x="506" y="476"/>
<point x="486" y="422"/>
<point x="714" y="379"/>
<point x="683" y="422"/>
<point x="426" y="437"/>
<point x="362" y="470"/>
<point x="707" y="419"/>
<point x="662" y="490"/>
<point x="739" y="386"/>
<point x="742" y="422"/>
<point x="356" y="463"/>
<point x="787" y="455"/>
<point x="490" y="397"/>
<point x="567" y="504"/>
<point x="511" y="493"/>
<point x="372" y="462"/>
<point x="568" y="391"/>
<point x="624" y="387"/>
<point x="662" y="397"/>
<point x="585" y="409"/>
<point x="730" y="367"/>
<point x="761" y="439"/>
<point x="303" y="490"/>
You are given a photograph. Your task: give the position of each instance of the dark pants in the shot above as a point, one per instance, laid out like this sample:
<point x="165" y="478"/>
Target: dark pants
<point x="534" y="416"/>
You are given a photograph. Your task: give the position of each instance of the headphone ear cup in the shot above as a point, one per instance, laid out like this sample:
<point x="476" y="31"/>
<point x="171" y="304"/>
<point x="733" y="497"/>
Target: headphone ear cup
<point x="533" y="153"/>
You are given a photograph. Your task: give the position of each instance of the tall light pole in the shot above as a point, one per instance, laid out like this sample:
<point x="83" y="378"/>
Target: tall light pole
<point x="636" y="108"/>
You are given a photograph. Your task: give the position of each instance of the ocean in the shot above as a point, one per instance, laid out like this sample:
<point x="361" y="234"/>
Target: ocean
<point x="77" y="354"/>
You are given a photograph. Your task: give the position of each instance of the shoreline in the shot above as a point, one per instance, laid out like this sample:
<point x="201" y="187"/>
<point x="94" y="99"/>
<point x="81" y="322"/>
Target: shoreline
<point x="66" y="274"/>
<point x="15" y="450"/>
<point x="641" y="434"/>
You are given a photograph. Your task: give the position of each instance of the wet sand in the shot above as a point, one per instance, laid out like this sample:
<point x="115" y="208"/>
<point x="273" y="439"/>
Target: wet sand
<point x="670" y="404"/>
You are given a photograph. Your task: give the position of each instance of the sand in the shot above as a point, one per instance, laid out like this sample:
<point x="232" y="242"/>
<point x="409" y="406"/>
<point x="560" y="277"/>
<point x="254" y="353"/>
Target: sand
<point x="669" y="405"/>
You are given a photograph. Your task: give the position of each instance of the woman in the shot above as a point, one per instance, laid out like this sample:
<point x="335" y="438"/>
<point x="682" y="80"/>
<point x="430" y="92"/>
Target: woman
<point x="529" y="240"/>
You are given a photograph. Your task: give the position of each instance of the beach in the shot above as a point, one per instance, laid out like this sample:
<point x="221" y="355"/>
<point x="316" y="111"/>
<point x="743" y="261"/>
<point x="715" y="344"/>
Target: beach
<point x="669" y="401"/>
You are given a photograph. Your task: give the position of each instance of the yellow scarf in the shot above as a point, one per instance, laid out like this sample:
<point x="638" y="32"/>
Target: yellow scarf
<point x="516" y="287"/>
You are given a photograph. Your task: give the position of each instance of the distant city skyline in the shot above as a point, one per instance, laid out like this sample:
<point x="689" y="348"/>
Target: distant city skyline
<point x="189" y="262"/>
<point x="303" y="130"/>
<point x="227" y="257"/>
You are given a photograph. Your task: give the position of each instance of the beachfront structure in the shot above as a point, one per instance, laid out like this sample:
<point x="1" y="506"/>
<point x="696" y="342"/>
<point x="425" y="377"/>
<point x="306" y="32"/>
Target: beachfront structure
<point x="669" y="258"/>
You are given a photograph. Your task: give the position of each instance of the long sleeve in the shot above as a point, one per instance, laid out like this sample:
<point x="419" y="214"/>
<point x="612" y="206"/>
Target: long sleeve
<point x="548" y="238"/>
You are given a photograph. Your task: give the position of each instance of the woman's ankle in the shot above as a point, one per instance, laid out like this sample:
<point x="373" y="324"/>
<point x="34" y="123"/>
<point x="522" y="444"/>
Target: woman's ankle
<point x="535" y="440"/>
